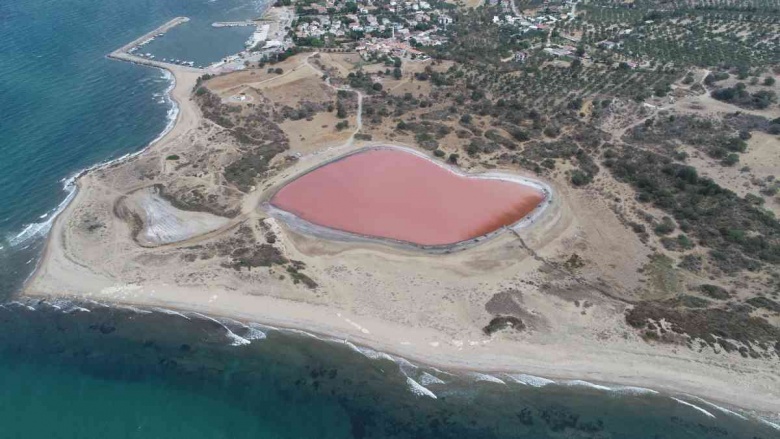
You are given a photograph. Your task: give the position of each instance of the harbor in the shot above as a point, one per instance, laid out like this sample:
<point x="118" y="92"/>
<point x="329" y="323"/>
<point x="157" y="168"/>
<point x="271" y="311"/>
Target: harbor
<point x="131" y="51"/>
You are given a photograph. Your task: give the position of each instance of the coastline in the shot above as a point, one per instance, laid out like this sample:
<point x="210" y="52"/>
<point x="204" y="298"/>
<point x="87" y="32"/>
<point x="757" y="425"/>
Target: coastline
<point x="590" y="371"/>
<point x="73" y="184"/>
<point x="660" y="369"/>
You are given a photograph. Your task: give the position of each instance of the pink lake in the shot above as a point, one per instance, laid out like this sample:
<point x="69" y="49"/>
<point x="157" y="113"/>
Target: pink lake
<point x="394" y="194"/>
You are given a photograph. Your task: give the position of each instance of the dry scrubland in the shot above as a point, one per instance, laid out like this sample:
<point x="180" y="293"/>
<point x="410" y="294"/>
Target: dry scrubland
<point x="656" y="264"/>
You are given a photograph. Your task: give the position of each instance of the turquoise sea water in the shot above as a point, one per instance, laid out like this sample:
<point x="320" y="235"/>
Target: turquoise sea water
<point x="99" y="372"/>
<point x="91" y="371"/>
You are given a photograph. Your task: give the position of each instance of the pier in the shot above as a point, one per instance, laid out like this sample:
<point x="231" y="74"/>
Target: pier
<point x="125" y="53"/>
<point x="233" y="23"/>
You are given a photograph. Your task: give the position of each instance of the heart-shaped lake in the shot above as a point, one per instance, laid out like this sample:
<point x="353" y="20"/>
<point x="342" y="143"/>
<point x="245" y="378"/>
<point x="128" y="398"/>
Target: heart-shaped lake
<point x="395" y="194"/>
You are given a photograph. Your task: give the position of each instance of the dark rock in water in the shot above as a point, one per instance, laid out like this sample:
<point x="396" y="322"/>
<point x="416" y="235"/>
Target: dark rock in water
<point x="503" y="322"/>
<point x="105" y="328"/>
<point x="310" y="388"/>
<point x="525" y="416"/>
<point x="559" y="418"/>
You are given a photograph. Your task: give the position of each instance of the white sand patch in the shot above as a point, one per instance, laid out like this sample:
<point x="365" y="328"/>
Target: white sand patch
<point x="164" y="224"/>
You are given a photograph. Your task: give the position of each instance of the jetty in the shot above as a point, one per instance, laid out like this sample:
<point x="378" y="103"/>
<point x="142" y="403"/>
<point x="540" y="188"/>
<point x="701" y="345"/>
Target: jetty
<point x="126" y="52"/>
<point x="233" y="23"/>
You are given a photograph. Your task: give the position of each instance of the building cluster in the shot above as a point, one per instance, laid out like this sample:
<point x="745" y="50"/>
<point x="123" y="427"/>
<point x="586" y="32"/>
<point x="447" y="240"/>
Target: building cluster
<point x="543" y="19"/>
<point x="380" y="26"/>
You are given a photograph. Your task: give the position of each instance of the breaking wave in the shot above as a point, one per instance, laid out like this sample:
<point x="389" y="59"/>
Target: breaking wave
<point x="40" y="229"/>
<point x="694" y="406"/>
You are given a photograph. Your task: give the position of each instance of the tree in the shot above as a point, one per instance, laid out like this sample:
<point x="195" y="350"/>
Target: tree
<point x="769" y="81"/>
<point x="397" y="73"/>
<point x="730" y="160"/>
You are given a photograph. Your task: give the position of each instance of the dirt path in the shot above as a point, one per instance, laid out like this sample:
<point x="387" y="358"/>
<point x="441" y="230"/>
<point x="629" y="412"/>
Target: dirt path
<point x="249" y="206"/>
<point x="359" y="121"/>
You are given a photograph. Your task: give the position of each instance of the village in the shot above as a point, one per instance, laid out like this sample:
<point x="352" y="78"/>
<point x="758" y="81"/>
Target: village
<point x="377" y="29"/>
<point x="400" y="29"/>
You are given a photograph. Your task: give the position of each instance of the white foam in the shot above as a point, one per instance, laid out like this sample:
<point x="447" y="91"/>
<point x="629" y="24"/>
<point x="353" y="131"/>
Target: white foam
<point x="418" y="389"/>
<point x="427" y="379"/>
<point x="404" y="363"/>
<point x="301" y="332"/>
<point x="254" y="332"/>
<point x="22" y="305"/>
<point x="717" y="407"/>
<point x="374" y="355"/>
<point x="75" y="309"/>
<point x="631" y="390"/>
<point x="487" y="378"/>
<point x="34" y="230"/>
<point x="40" y="229"/>
<point x="530" y="380"/>
<point x="694" y="407"/>
<point x="770" y="423"/>
<point x="173" y="109"/>
<point x="235" y="340"/>
<point x="134" y="309"/>
<point x="348" y="344"/>
<point x="581" y="383"/>
<point x="170" y="312"/>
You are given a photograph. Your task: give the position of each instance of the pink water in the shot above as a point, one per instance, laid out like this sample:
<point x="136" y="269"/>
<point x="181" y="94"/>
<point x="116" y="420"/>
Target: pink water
<point x="390" y="193"/>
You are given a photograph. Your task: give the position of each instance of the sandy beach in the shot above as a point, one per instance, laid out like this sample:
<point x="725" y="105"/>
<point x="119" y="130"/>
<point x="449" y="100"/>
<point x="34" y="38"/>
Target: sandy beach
<point x="429" y="308"/>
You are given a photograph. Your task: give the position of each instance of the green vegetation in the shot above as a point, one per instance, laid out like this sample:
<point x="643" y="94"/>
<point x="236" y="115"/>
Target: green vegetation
<point x="258" y="136"/>
<point x="716" y="217"/>
<point x="711" y="327"/>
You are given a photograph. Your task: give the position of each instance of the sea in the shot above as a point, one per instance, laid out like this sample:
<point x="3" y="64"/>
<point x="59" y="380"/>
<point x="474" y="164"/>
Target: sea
<point x="92" y="370"/>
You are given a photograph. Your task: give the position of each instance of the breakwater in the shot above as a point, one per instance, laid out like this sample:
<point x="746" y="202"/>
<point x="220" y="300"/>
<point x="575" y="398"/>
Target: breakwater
<point x="127" y="52"/>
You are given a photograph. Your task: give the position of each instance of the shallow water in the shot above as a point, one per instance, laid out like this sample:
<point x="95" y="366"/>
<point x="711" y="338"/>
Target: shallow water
<point x="392" y="193"/>
<point x="111" y="372"/>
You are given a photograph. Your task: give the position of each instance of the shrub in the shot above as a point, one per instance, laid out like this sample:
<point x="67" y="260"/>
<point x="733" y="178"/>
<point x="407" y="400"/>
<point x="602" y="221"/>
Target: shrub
<point x="730" y="160"/>
<point x="579" y="178"/>
<point x="665" y="227"/>
<point x="552" y="131"/>
<point x="714" y="291"/>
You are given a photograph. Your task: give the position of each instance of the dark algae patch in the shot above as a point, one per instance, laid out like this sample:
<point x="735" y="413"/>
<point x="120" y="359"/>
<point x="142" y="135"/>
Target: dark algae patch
<point x="184" y="376"/>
